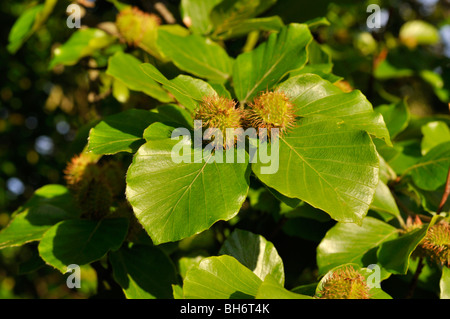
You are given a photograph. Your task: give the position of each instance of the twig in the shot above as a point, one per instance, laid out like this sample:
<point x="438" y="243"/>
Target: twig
<point x="445" y="195"/>
<point x="165" y="13"/>
<point x="415" y="279"/>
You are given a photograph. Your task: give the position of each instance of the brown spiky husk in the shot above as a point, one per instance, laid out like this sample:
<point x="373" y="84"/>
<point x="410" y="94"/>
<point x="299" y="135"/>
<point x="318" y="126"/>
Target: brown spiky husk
<point x="345" y="283"/>
<point x="95" y="199"/>
<point x="94" y="184"/>
<point x="80" y="168"/>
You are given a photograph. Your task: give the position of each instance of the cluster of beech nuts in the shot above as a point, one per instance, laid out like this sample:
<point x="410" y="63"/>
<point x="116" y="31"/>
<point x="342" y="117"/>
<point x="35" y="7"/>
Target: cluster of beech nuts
<point x="95" y="185"/>
<point x="271" y="109"/>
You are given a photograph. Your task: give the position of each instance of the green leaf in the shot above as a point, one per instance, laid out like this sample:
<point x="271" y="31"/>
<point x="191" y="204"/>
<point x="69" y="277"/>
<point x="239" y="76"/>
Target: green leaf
<point x="28" y="23"/>
<point x="243" y="28"/>
<point x="21" y="30"/>
<point x="430" y="200"/>
<point x="312" y="95"/>
<point x="317" y="22"/>
<point x="175" y="114"/>
<point x="394" y="254"/>
<point x="120" y="91"/>
<point x="158" y="131"/>
<point x="319" y="62"/>
<point x="143" y="272"/>
<point x="445" y="283"/>
<point x="383" y="201"/>
<point x="418" y="32"/>
<point x="49" y="205"/>
<point x="434" y="133"/>
<point x="197" y="55"/>
<point x="229" y="14"/>
<point x="187" y="90"/>
<point x="126" y="68"/>
<point x="191" y="196"/>
<point x="220" y="278"/>
<point x="82" y="43"/>
<point x="387" y="174"/>
<point x="121" y="132"/>
<point x="349" y="243"/>
<point x="430" y="172"/>
<point x="119" y="5"/>
<point x="255" y="253"/>
<point x="402" y="156"/>
<point x="195" y="14"/>
<point x="271" y="289"/>
<point x="263" y="67"/>
<point x="396" y="116"/>
<point x="187" y="262"/>
<point x="329" y="165"/>
<point x="81" y="241"/>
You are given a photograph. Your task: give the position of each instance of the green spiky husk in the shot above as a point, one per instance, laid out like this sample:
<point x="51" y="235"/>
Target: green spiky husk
<point x="436" y="244"/>
<point x="133" y="24"/>
<point x="271" y="110"/>
<point x="220" y="113"/>
<point x="345" y="283"/>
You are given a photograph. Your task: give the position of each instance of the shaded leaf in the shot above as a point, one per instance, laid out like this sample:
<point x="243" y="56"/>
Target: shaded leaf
<point x="394" y="255"/>
<point x="430" y="172"/>
<point x="49" y="205"/>
<point x="121" y="132"/>
<point x="94" y="239"/>
<point x="143" y="272"/>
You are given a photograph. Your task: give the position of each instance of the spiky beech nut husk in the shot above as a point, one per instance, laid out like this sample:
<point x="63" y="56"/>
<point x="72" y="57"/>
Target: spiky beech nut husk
<point x="114" y="175"/>
<point x="95" y="199"/>
<point x="436" y="244"/>
<point x="80" y="169"/>
<point x="412" y="224"/>
<point x="345" y="283"/>
<point x="134" y="24"/>
<point x="220" y="113"/>
<point x="271" y="110"/>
